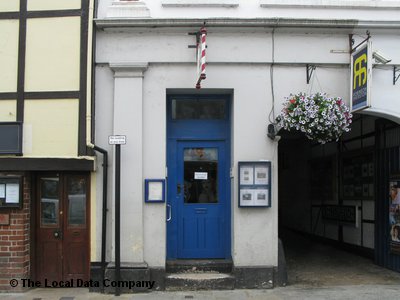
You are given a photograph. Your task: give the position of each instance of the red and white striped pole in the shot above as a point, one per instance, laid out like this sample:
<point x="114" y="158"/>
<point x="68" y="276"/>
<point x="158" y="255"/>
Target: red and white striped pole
<point x="201" y="57"/>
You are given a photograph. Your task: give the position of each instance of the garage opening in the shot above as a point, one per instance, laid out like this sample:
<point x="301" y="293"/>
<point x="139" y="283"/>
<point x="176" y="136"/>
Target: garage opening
<point x="334" y="205"/>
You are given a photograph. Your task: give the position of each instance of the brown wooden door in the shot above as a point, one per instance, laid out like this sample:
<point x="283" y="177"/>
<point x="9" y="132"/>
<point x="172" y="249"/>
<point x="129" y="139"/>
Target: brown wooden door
<point x="62" y="227"/>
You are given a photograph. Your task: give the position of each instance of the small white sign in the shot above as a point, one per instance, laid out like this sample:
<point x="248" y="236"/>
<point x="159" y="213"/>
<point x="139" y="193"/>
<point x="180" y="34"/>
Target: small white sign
<point x="246" y="175"/>
<point x="117" y="140"/>
<point x="155" y="191"/>
<point x="12" y="193"/>
<point x="2" y="190"/>
<point x="201" y="175"/>
<point x="261" y="175"/>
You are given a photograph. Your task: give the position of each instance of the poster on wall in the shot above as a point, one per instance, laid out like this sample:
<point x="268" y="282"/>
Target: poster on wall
<point x="246" y="175"/>
<point x="394" y="215"/>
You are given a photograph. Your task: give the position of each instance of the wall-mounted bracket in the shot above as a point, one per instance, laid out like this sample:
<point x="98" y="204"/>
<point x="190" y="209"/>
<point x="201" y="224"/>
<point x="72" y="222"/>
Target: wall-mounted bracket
<point x="352" y="41"/>
<point x="309" y="70"/>
<point x="396" y="74"/>
<point x="197" y="34"/>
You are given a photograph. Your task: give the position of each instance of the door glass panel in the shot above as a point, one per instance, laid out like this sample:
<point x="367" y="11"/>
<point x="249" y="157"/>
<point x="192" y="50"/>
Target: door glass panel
<point x="200" y="175"/>
<point x="186" y="109"/>
<point x="49" y="202"/>
<point x="76" y="201"/>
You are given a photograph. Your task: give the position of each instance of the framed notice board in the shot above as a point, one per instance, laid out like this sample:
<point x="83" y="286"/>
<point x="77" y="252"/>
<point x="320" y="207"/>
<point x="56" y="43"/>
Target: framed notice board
<point x="11" y="192"/>
<point x="254" y="184"/>
<point x="154" y="190"/>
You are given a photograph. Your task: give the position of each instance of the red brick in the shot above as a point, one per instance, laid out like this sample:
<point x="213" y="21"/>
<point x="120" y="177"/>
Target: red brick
<point x="16" y="237"/>
<point x="17" y="259"/>
<point x="17" y="248"/>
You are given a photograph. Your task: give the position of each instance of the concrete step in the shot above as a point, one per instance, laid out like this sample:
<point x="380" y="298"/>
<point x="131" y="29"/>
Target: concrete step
<point x="195" y="265"/>
<point x="192" y="281"/>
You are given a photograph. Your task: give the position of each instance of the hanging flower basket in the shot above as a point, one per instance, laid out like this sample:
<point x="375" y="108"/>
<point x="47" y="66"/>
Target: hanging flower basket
<point x="320" y="118"/>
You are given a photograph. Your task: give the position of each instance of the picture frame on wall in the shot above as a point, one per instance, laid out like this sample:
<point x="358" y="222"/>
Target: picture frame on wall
<point x="154" y="190"/>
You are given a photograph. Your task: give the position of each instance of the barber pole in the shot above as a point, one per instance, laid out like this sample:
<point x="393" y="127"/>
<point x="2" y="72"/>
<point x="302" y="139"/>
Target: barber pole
<point x="201" y="57"/>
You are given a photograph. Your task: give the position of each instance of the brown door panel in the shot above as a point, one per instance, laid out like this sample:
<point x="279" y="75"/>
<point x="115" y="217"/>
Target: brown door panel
<point x="49" y="261"/>
<point x="75" y="263"/>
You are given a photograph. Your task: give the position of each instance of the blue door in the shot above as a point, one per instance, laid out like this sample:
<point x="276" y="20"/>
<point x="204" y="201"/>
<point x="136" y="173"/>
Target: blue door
<point x="198" y="214"/>
<point x="201" y="199"/>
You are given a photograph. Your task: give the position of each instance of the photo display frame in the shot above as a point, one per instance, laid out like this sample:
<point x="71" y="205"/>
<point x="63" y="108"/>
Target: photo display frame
<point x="154" y="190"/>
<point x="254" y="184"/>
<point x="11" y="192"/>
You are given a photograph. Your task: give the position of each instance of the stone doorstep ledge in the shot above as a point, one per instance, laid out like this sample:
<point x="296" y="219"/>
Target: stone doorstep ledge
<point x="129" y="272"/>
<point x="244" y="277"/>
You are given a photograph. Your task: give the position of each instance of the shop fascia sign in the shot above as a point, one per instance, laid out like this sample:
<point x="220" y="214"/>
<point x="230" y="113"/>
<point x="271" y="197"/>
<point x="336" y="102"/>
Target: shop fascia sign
<point x="361" y="77"/>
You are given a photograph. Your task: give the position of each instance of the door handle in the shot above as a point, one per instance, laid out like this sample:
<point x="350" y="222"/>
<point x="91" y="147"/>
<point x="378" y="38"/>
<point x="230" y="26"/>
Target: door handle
<point x="169" y="213"/>
<point x="178" y="188"/>
<point x="57" y="234"/>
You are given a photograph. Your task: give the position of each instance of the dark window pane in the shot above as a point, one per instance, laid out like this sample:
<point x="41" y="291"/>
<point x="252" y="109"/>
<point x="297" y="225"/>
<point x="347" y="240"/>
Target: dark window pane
<point x="77" y="201"/>
<point x="49" y="202"/>
<point x="200" y="175"/>
<point x="189" y="109"/>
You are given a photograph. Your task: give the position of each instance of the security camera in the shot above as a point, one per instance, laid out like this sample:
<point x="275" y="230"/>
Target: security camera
<point x="271" y="131"/>
<point x="380" y="58"/>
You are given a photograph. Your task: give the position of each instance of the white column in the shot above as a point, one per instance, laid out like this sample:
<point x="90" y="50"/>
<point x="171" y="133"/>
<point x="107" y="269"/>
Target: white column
<point x="127" y="116"/>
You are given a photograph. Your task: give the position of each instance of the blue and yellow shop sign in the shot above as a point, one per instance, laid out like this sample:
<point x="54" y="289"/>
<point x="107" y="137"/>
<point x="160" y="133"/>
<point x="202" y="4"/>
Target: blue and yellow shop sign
<point x="361" y="78"/>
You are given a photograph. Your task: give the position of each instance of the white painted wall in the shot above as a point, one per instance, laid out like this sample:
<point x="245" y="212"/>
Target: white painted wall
<point x="366" y="10"/>
<point x="239" y="59"/>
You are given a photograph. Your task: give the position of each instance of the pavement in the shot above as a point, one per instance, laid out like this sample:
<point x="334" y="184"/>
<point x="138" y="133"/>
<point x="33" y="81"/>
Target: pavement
<point x="353" y="292"/>
<point x="315" y="271"/>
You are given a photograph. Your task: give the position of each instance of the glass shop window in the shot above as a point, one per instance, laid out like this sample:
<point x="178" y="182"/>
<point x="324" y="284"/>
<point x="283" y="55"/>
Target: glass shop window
<point x="201" y="175"/>
<point x="195" y="109"/>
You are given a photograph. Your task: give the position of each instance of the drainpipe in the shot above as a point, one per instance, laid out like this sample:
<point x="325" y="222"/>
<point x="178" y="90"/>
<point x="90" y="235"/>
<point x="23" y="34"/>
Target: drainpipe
<point x="99" y="149"/>
<point x="104" y="217"/>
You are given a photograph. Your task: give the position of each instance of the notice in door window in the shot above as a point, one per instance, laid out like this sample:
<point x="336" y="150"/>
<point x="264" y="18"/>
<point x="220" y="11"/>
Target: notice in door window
<point x="200" y="175"/>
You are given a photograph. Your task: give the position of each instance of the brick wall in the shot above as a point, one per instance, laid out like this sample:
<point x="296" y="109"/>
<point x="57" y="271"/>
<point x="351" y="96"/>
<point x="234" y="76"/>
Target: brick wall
<point x="15" y="243"/>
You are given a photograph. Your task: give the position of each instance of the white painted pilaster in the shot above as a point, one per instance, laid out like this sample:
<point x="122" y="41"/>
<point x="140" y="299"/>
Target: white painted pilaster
<point x="127" y="120"/>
